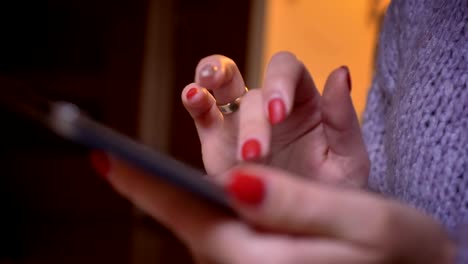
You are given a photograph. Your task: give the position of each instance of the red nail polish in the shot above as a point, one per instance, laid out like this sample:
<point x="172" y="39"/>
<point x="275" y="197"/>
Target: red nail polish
<point x="100" y="162"/>
<point x="348" y="77"/>
<point x="191" y="93"/>
<point x="246" y="188"/>
<point x="276" y="111"/>
<point x="251" y="150"/>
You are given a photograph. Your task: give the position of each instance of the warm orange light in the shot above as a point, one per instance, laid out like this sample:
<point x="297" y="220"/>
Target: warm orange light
<point x="326" y="35"/>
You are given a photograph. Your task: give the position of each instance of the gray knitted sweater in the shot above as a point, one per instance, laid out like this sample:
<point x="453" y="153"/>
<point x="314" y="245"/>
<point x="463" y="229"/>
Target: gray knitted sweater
<point x="416" y="120"/>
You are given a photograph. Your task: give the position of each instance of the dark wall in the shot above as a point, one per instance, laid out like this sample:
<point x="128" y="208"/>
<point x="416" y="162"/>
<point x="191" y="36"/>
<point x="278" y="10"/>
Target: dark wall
<point x="203" y="28"/>
<point x="54" y="208"/>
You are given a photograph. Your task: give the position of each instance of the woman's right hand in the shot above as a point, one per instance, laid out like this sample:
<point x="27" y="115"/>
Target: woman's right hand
<point x="286" y="123"/>
<point x="282" y="218"/>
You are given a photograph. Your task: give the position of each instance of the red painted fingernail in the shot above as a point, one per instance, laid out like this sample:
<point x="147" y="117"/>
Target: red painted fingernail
<point x="191" y="93"/>
<point x="348" y="77"/>
<point x="246" y="188"/>
<point x="251" y="150"/>
<point x="276" y="111"/>
<point x="100" y="162"/>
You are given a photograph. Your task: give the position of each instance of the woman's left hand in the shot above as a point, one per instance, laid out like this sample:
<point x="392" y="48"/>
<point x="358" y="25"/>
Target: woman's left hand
<point x="288" y="219"/>
<point x="286" y="124"/>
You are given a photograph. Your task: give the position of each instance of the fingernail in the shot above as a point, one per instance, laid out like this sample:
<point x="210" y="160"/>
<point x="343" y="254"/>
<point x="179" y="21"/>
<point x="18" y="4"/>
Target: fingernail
<point x="246" y="188"/>
<point x="251" y="150"/>
<point x="348" y="77"/>
<point x="208" y="71"/>
<point x="276" y="111"/>
<point x="100" y="162"/>
<point x="191" y="93"/>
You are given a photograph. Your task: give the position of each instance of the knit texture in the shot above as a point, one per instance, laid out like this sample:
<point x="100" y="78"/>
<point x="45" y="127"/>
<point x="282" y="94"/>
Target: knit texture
<point x="416" y="120"/>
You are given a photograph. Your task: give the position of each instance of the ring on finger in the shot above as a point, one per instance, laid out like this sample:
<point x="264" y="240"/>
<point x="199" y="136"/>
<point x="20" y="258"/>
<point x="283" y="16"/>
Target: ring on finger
<point x="232" y="106"/>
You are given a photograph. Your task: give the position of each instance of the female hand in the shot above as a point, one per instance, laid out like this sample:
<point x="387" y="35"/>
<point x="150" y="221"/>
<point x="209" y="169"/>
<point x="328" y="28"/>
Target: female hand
<point x="287" y="219"/>
<point x="286" y="123"/>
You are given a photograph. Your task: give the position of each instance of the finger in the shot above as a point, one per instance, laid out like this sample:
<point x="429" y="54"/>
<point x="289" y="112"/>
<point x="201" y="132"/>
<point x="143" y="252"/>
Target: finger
<point x="325" y="252"/>
<point x="210" y="234"/>
<point x="287" y="83"/>
<point x="220" y="75"/>
<point x="254" y="129"/>
<point x="279" y="201"/>
<point x="278" y="248"/>
<point x="202" y="107"/>
<point x="340" y="120"/>
<point x="341" y="126"/>
<point x="183" y="213"/>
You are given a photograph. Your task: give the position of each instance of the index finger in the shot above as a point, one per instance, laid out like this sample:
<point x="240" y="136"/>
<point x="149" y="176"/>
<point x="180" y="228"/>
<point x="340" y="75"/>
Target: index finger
<point x="209" y="233"/>
<point x="287" y="83"/>
<point x="283" y="202"/>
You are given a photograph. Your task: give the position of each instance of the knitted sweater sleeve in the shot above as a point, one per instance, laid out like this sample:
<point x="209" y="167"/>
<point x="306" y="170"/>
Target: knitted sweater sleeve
<point x="378" y="112"/>
<point x="380" y="99"/>
<point x="460" y="236"/>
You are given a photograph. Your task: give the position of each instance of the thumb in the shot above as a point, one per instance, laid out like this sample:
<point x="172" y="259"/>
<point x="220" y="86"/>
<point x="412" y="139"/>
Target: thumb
<point x="341" y="124"/>
<point x="339" y="117"/>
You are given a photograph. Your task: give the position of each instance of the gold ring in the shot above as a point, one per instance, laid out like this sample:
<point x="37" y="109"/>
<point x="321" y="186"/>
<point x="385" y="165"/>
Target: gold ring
<point x="232" y="106"/>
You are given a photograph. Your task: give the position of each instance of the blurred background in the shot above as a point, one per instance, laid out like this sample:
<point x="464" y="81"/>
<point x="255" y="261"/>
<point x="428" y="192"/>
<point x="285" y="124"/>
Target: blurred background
<point x="125" y="63"/>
